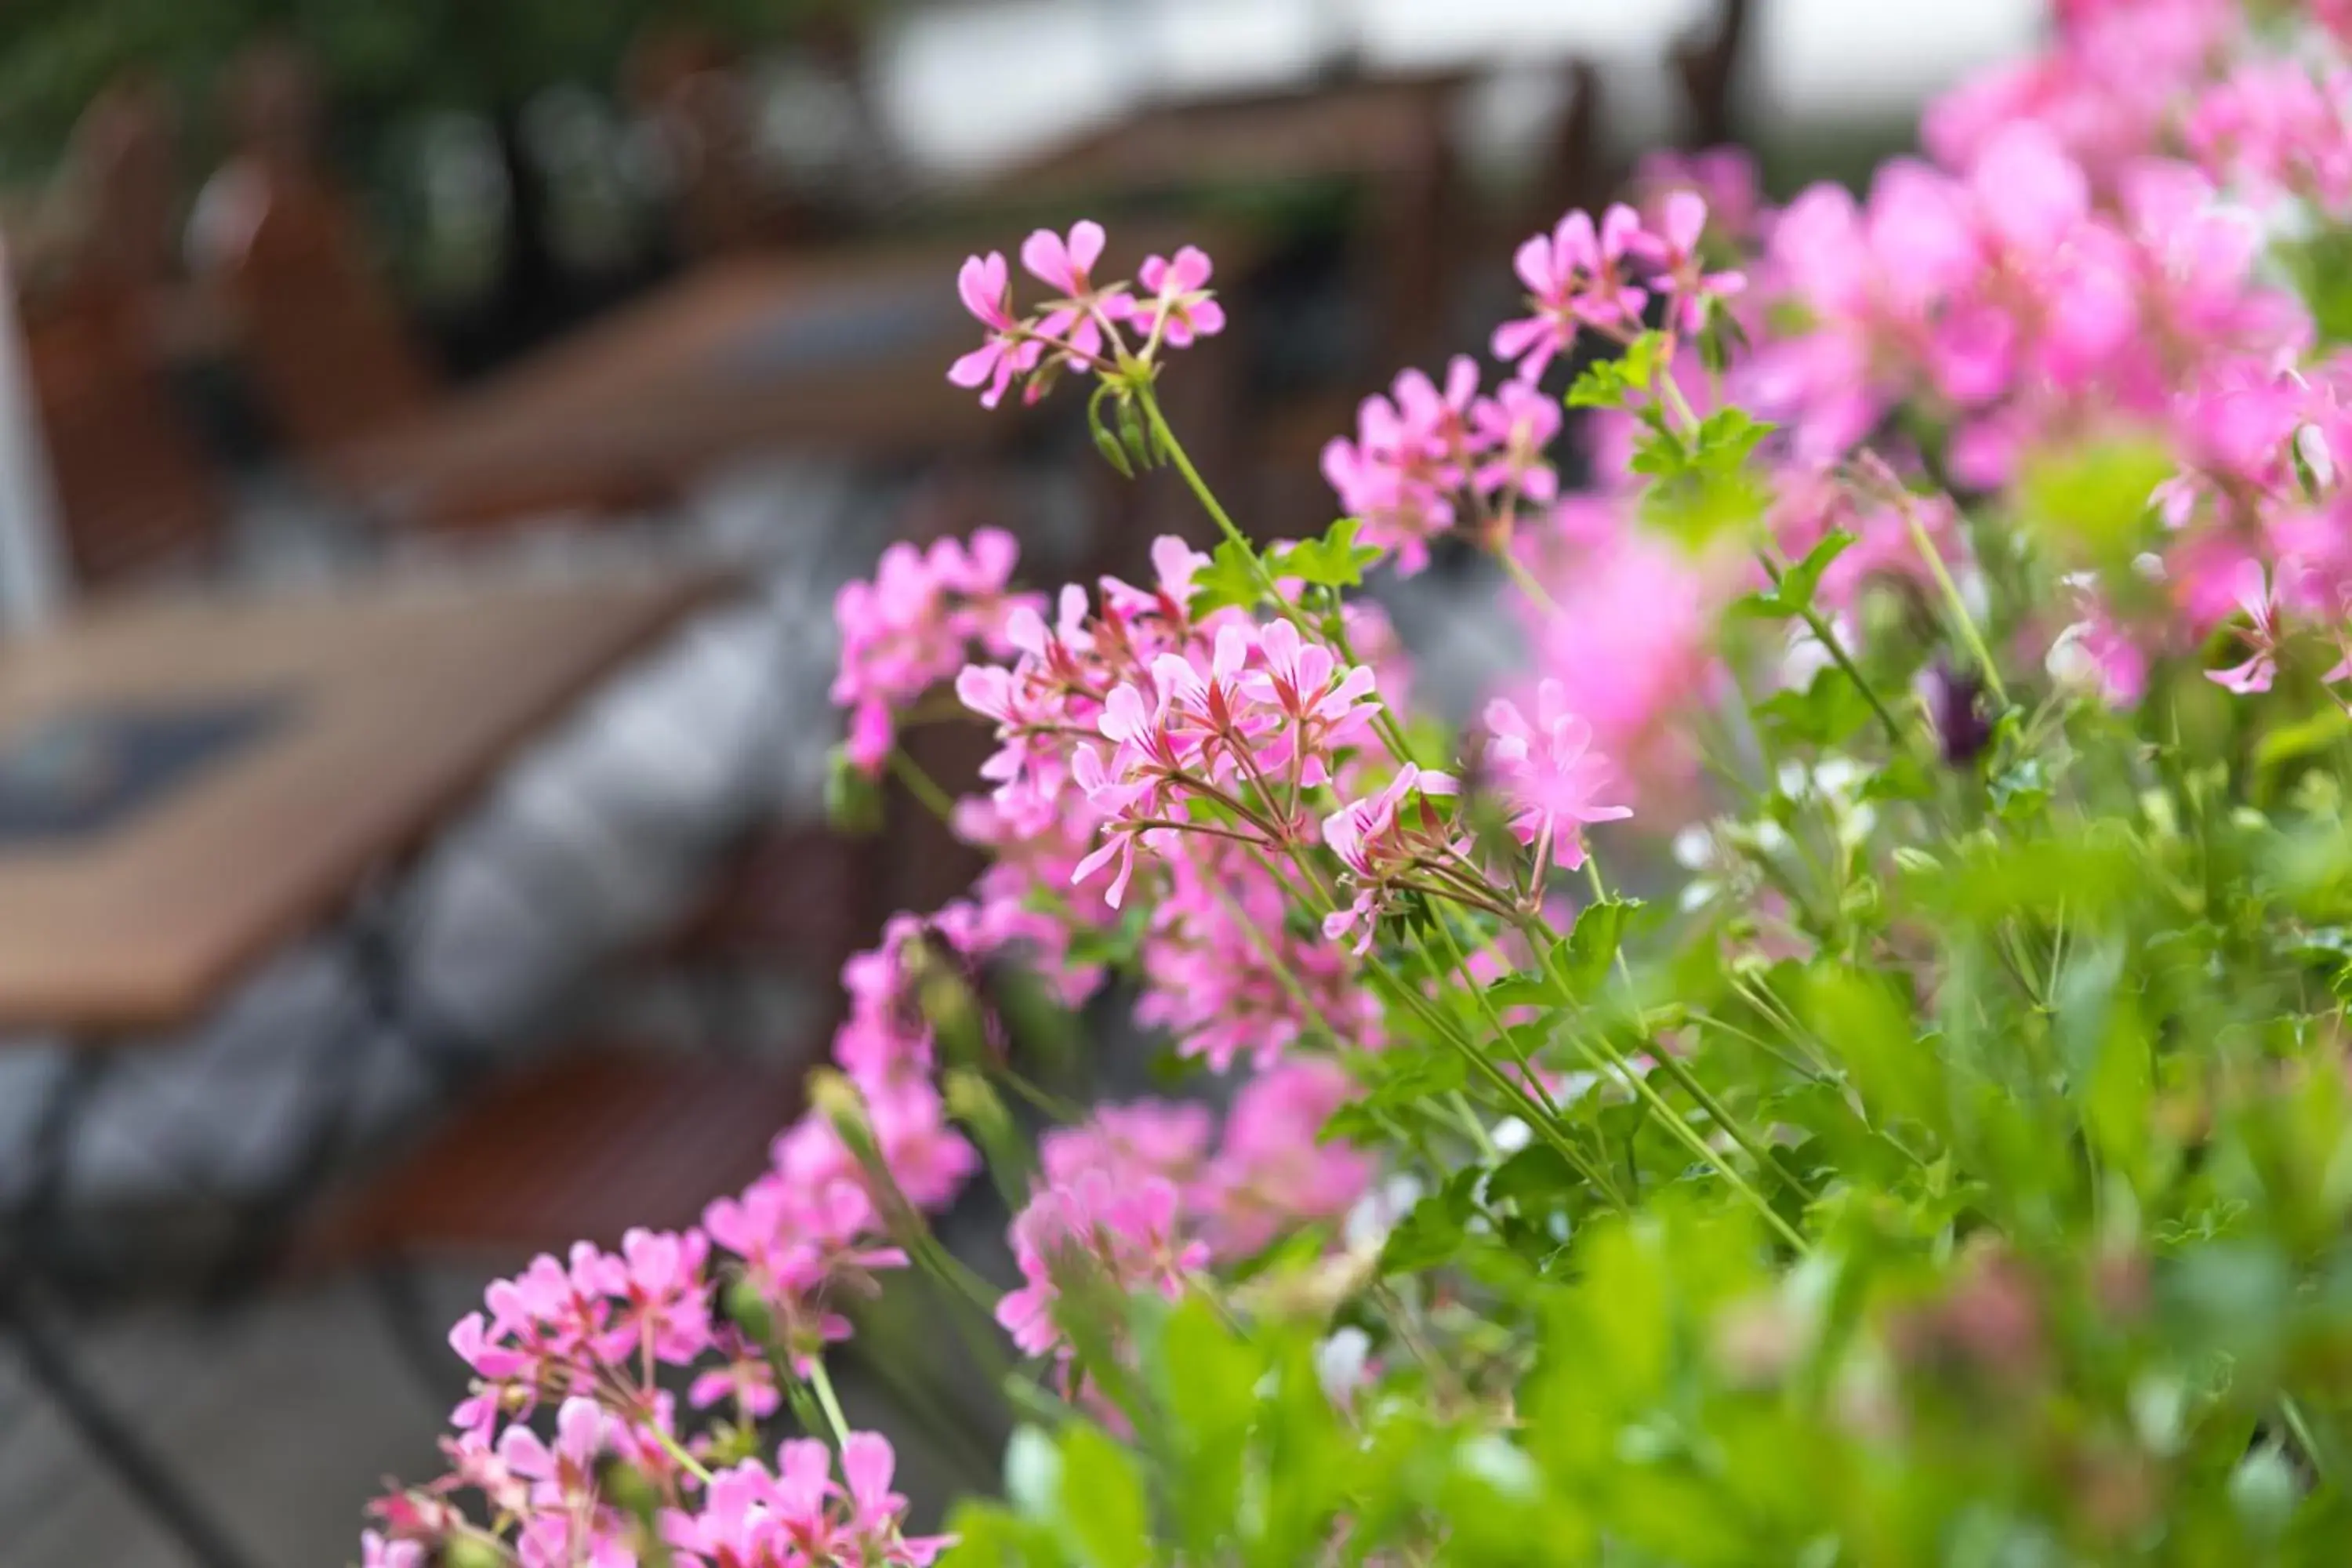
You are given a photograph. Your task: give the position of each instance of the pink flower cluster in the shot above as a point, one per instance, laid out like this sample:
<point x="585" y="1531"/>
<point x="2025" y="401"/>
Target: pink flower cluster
<point x="2274" y="127"/>
<point x="1135" y="1197"/>
<point x="1223" y="972"/>
<point x="1112" y="724"/>
<point x="913" y="627"/>
<point x="798" y="1514"/>
<point x="1081" y="326"/>
<point x="588" y="1335"/>
<point x="2006" y="296"/>
<point x="2107" y="90"/>
<point x="1584" y="277"/>
<point x="1425" y="455"/>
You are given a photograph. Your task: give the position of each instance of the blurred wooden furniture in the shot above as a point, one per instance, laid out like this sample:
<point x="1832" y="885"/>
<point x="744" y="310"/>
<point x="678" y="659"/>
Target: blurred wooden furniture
<point x="274" y="239"/>
<point x="689" y="90"/>
<point x="314" y="325"/>
<point x="134" y="489"/>
<point x="579" y="1146"/>
<point x="123" y="181"/>
<point x="1706" y="62"/>
<point x="403" y="700"/>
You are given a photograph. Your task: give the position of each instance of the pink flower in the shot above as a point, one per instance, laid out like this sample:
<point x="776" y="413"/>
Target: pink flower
<point x="914" y="626"/>
<point x="1126" y="1236"/>
<point x="1631" y="640"/>
<point x="2094" y="655"/>
<point x="1673" y="250"/>
<point x="1575" y="278"/>
<point x="1182" y="309"/>
<point x="1409" y="461"/>
<point x="1214" y="717"/>
<point x="876" y="1512"/>
<point x="1274" y="1172"/>
<point x="1377" y="839"/>
<point x="1549" y="773"/>
<point x="2251" y="587"/>
<point x="1324" y="706"/>
<point x="1227" y="976"/>
<point x="1075" y="320"/>
<point x="1150" y="1138"/>
<point x="746" y="1381"/>
<point x="1516" y="425"/>
<point x="1010" y="351"/>
<point x="375" y="1551"/>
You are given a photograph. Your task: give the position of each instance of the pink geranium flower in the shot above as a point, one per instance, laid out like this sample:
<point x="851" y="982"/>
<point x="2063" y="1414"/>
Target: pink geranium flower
<point x="1550" y="775"/>
<point x="1010" y="351"/>
<point x="1180" y="309"/>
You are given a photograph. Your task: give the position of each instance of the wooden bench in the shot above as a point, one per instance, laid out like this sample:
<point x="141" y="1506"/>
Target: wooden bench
<point x="582" y="1146"/>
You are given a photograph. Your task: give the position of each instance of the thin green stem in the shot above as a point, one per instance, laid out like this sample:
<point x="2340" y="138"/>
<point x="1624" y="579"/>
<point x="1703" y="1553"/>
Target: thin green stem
<point x="1525" y="580"/>
<point x="670" y="1445"/>
<point x="1962" y="621"/>
<point x="1166" y="437"/>
<point x="1540" y="1117"/>
<point x="823" y="1383"/>
<point x="1597" y="1048"/>
<point x="920" y="784"/>
<point x="1828" y="636"/>
<point x="1473" y="1125"/>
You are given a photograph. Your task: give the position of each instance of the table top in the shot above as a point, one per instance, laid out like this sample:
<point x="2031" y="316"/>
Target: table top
<point x="402" y="699"/>
<point x="846" y="353"/>
<point x="1358" y="129"/>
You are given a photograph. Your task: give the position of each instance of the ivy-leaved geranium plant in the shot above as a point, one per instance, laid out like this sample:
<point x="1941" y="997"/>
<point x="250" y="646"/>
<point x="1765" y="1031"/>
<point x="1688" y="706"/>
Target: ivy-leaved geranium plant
<point x="1951" y="1164"/>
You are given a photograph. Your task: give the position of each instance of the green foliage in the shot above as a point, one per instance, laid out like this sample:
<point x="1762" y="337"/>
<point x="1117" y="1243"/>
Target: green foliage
<point x="1237" y="575"/>
<point x="2091" y="501"/>
<point x="381" y="61"/>
<point x="1792" y="596"/>
<point x="1624" y="381"/>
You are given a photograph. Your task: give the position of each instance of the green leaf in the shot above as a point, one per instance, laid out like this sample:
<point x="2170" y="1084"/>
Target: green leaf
<point x="1334" y="561"/>
<point x="2091" y="500"/>
<point x="1538" y="1179"/>
<point x="1229" y="578"/>
<point x="1526" y="991"/>
<point x="2322" y="269"/>
<point x="1800" y="582"/>
<point x="1611" y="383"/>
<point x="1103" y="1501"/>
<point x="1582" y="957"/>
<point x="1829" y="713"/>
<point x="1428" y="1238"/>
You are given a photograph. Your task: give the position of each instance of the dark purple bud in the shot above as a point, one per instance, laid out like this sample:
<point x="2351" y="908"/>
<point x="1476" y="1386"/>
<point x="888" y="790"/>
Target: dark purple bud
<point x="1955" y="703"/>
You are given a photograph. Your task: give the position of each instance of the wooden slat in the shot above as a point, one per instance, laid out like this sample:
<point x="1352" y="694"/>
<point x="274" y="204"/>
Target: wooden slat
<point x="582" y="1146"/>
<point x="404" y="701"/>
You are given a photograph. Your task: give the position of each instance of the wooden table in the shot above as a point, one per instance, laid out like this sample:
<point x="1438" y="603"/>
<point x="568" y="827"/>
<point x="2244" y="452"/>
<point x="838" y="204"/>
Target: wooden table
<point x="1356" y="129"/>
<point x="401" y="701"/>
<point x="393" y="704"/>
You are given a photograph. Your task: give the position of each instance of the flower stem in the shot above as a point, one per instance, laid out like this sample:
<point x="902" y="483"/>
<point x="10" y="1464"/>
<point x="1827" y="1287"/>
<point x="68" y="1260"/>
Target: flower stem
<point x="920" y="784"/>
<point x="1828" y="638"/>
<point x="823" y="1383"/>
<point x="1962" y="621"/>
